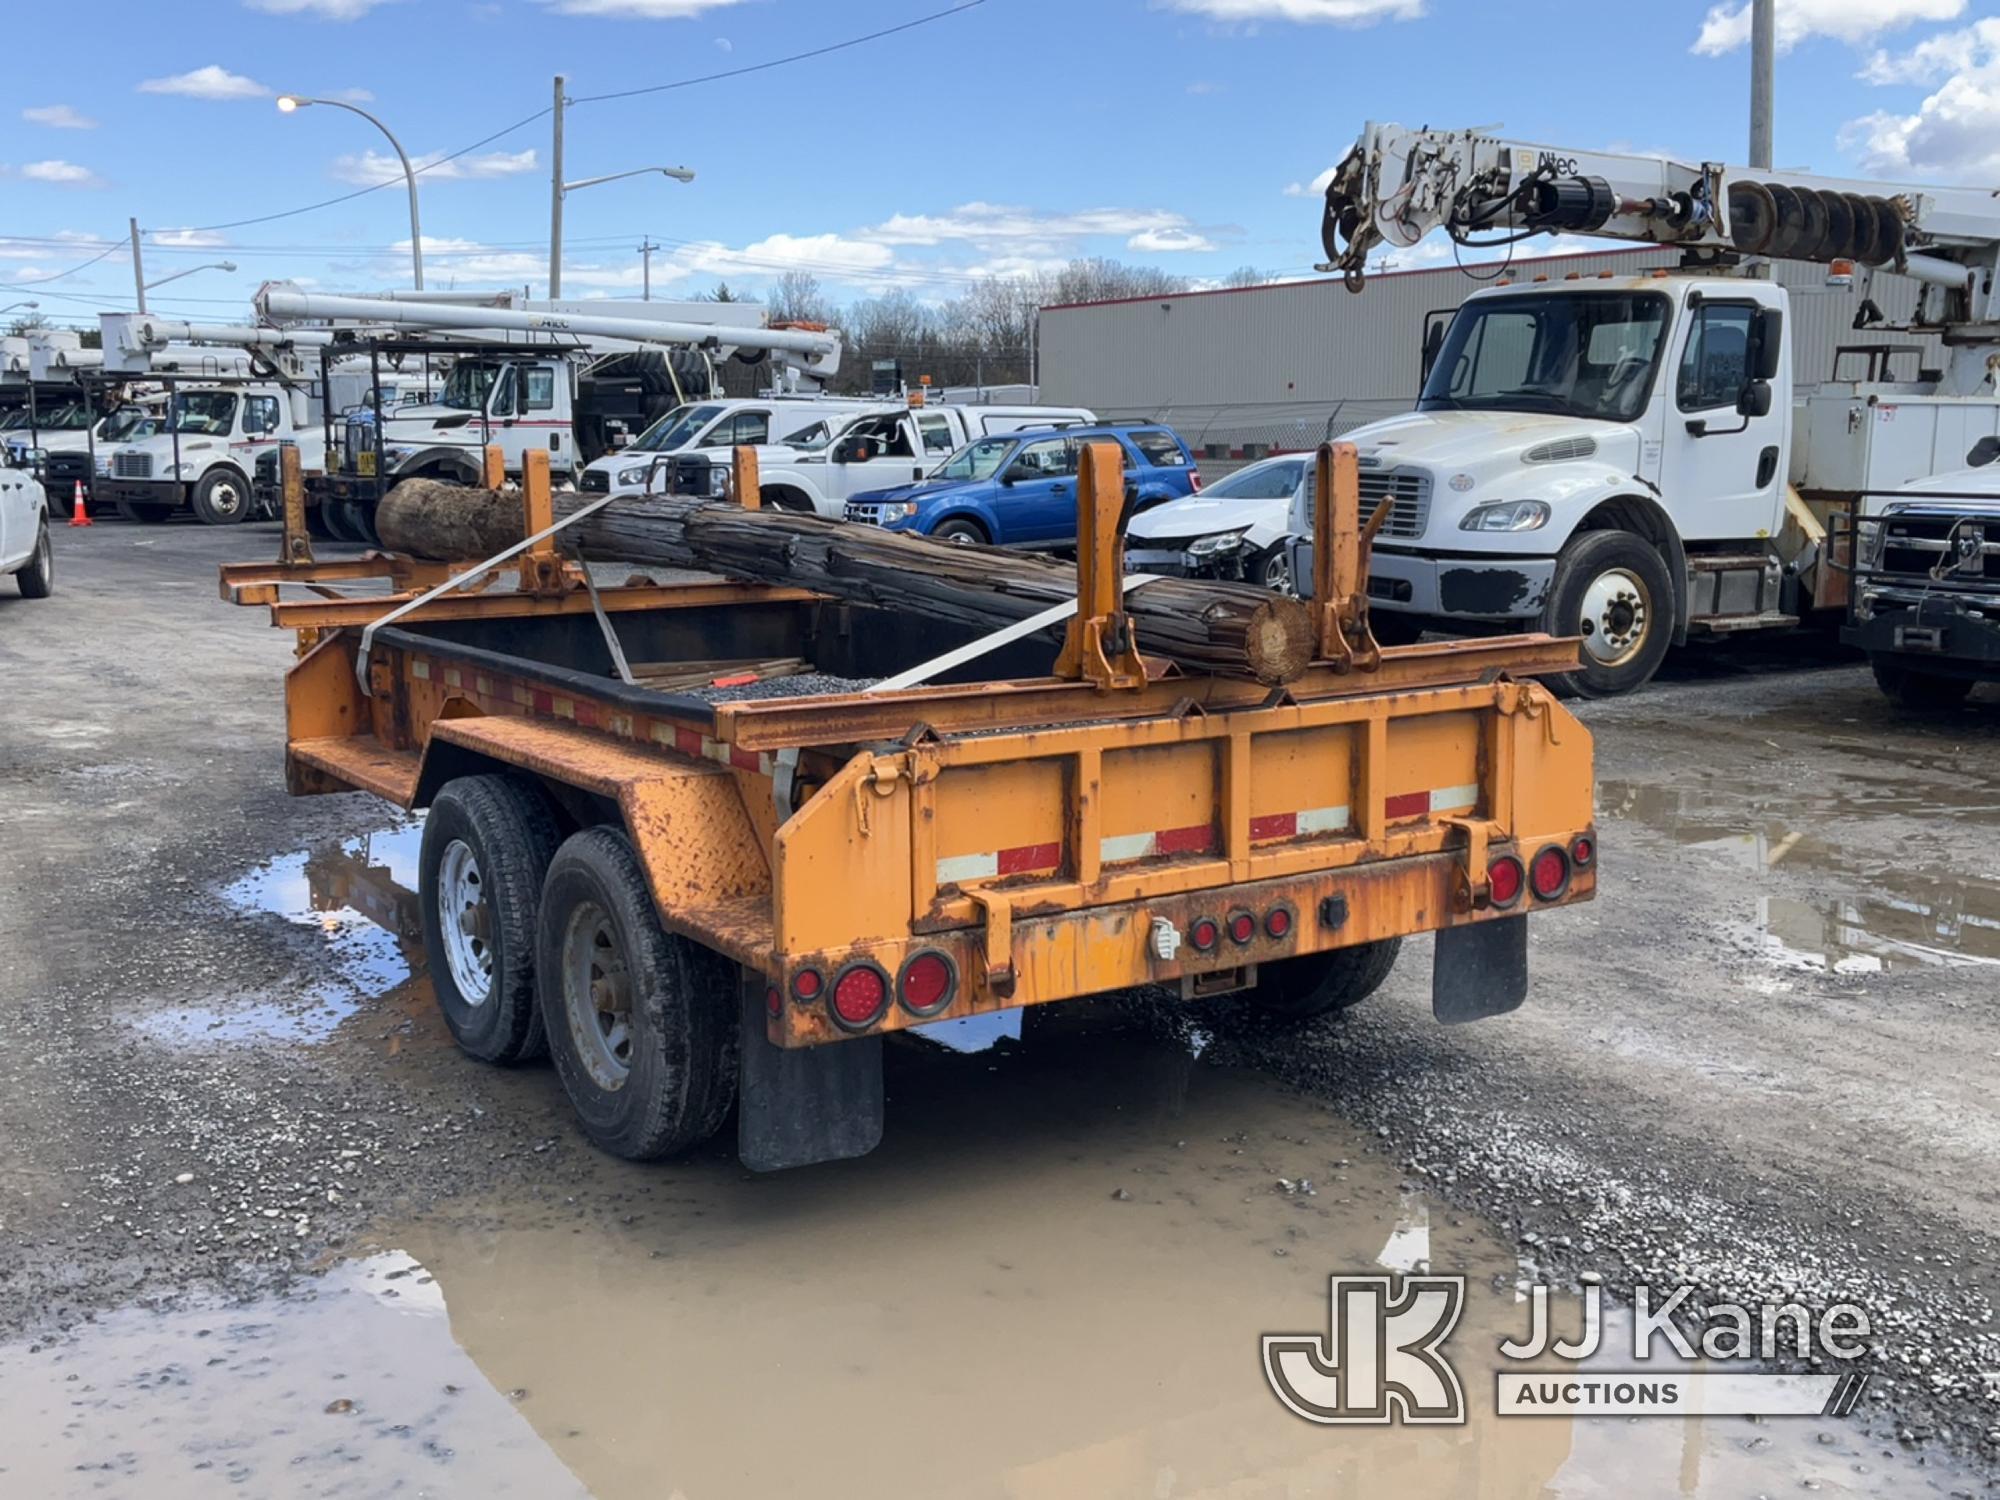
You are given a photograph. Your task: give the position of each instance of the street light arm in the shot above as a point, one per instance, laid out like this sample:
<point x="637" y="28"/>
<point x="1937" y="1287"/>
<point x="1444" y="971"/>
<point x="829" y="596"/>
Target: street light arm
<point x="290" y="102"/>
<point x="214" y="265"/>
<point x="679" y="174"/>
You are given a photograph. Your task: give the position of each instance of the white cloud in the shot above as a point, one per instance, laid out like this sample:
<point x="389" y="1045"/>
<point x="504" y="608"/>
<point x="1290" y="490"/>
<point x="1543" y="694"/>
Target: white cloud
<point x="1339" y="12"/>
<point x="61" y="173"/>
<point x="325" y="10"/>
<point x="186" y="239"/>
<point x="58" y="117"/>
<point x="1954" y="133"/>
<point x="1167" y="242"/>
<point x="1726" y="28"/>
<point x="356" y="96"/>
<point x="1314" y="189"/>
<point x="366" y="168"/>
<point x="1204" y="86"/>
<point x="988" y="223"/>
<point x="211" y="82"/>
<point x="639" y="10"/>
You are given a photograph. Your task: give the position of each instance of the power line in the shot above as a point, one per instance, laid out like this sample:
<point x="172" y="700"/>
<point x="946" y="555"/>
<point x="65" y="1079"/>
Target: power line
<point x="779" y="62"/>
<point x="82" y="266"/>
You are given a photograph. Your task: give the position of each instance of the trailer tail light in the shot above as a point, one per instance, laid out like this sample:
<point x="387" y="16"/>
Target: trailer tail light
<point x="774" y="1003"/>
<point x="860" y="995"/>
<point x="1583" y="853"/>
<point x="1278" y="922"/>
<point x="1549" y="874"/>
<point x="807" y="984"/>
<point x="1242" y="927"/>
<point x="1504" y="880"/>
<point x="928" y="983"/>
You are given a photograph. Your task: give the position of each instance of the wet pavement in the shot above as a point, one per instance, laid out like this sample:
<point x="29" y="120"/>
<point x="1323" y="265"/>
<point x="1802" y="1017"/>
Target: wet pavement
<point x="263" y="1231"/>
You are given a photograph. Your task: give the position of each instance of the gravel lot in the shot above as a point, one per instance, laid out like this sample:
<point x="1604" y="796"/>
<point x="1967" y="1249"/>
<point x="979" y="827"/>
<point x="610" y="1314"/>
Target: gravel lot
<point x="1761" y="1061"/>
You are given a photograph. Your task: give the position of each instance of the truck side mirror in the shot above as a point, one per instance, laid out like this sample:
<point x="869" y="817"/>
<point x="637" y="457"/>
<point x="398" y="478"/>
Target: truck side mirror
<point x="1770" y="344"/>
<point x="1754" y="400"/>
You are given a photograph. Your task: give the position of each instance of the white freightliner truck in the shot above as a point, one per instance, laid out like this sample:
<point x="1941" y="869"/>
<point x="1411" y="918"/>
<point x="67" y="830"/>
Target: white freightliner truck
<point x="567" y="380"/>
<point x="1625" y="458"/>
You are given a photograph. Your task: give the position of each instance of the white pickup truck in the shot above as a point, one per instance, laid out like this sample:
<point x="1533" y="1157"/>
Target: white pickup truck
<point x="879" y="449"/>
<point x="724" y="425"/>
<point x="24" y="532"/>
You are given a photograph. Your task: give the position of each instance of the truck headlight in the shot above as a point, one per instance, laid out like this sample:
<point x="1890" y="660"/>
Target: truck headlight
<point x="1216" y="546"/>
<point x="718" y="480"/>
<point x="896" y="510"/>
<point x="1508" y="515"/>
<point x="633" y="476"/>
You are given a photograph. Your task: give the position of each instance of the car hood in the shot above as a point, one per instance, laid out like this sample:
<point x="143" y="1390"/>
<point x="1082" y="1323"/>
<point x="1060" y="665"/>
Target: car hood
<point x="1197" y="515"/>
<point x="1478" y="441"/>
<point x="922" y="490"/>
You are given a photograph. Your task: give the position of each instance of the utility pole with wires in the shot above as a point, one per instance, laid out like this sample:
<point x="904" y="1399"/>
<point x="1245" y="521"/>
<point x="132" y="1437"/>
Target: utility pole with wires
<point x="138" y="267"/>
<point x="646" y="249"/>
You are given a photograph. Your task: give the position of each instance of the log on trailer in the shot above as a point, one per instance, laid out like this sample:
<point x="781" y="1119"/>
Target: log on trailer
<point x="1234" y="629"/>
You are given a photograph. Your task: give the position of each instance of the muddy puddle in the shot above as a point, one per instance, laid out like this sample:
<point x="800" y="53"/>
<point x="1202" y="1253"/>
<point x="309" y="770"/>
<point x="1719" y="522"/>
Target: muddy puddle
<point x="1849" y="914"/>
<point x="1051" y="1281"/>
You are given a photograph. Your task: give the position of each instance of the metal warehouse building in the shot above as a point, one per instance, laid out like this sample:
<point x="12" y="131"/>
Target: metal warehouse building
<point x="1264" y="369"/>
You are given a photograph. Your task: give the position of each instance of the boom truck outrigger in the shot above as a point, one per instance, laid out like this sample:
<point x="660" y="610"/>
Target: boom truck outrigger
<point x="524" y="379"/>
<point x="1626" y="458"/>
<point x="696" y="893"/>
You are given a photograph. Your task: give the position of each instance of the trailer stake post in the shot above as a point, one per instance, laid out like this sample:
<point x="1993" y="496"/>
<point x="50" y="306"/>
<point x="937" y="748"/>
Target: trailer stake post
<point x="1100" y="645"/>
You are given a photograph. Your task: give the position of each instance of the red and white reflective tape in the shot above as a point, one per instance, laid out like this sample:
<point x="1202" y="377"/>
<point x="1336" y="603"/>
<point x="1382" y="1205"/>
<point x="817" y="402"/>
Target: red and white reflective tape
<point x="701" y="747"/>
<point x="1024" y="859"/>
<point x="1295" y="825"/>
<point x="1444" y="799"/>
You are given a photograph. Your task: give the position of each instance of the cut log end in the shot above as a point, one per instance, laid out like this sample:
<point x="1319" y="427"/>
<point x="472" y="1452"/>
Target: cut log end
<point x="1278" y="645"/>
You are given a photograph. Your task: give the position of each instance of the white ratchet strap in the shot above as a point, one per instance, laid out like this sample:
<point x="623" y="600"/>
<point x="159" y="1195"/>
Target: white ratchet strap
<point x="973" y="650"/>
<point x="368" y="631"/>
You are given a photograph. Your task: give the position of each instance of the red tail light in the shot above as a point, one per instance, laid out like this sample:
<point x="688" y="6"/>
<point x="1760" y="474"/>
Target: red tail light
<point x="1583" y="853"/>
<point x="860" y="995"/>
<point x="928" y="982"/>
<point x="774" y="1003"/>
<point x="1549" y="874"/>
<point x="1278" y="921"/>
<point x="1505" y="879"/>
<point x="1242" y="927"/>
<point x="1204" y="934"/>
<point x="807" y="983"/>
<point x="1194" y="481"/>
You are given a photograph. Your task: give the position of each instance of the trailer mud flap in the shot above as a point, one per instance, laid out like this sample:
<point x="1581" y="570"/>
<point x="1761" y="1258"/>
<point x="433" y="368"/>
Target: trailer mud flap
<point x="1481" y="970"/>
<point x="803" y="1105"/>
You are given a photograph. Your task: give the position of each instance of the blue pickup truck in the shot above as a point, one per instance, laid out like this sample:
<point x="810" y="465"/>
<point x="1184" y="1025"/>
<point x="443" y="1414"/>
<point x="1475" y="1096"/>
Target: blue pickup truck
<point x="1019" y="490"/>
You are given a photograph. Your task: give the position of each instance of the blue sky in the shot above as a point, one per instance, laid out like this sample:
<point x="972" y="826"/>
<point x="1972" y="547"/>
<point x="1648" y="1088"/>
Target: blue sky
<point x="1015" y="134"/>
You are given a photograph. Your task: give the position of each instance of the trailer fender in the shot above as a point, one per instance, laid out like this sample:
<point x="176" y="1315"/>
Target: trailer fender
<point x="703" y="854"/>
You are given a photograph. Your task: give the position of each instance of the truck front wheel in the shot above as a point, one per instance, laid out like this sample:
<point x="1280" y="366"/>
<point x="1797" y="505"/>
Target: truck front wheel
<point x="1918" y="689"/>
<point x="487" y="844"/>
<point x="1613" y="589"/>
<point x="222" y="498"/>
<point x="642" y="1024"/>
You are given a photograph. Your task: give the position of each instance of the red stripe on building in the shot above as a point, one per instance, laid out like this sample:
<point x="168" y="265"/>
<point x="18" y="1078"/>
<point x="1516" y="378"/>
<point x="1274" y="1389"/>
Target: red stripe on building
<point x="1030" y="857"/>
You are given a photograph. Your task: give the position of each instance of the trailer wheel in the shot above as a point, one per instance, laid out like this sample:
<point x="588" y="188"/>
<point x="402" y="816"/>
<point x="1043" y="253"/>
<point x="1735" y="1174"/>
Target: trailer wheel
<point x="1917" y="689"/>
<point x="1613" y="589"/>
<point x="222" y="498"/>
<point x="487" y="844"/>
<point x="316" y="522"/>
<point x="38" y="578"/>
<point x="641" y="1023"/>
<point x="1299" y="989"/>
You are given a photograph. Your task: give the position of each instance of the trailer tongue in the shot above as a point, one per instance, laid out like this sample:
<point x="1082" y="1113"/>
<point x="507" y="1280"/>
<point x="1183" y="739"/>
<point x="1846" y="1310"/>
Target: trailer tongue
<point x="693" y="898"/>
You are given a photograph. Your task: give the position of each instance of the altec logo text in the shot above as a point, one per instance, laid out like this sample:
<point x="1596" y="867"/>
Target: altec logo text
<point x="1382" y="1358"/>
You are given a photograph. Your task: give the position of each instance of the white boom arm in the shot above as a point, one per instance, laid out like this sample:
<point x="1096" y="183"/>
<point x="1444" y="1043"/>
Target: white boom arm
<point x="817" y="353"/>
<point x="139" y="344"/>
<point x="1397" y="185"/>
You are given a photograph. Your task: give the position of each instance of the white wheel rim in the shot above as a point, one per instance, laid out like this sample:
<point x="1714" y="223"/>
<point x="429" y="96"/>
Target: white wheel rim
<point x="224" y="498"/>
<point x="1616" y="618"/>
<point x="597" y="995"/>
<point x="465" y="920"/>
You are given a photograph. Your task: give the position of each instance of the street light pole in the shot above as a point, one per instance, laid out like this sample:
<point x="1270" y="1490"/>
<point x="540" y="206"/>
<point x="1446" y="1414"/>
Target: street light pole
<point x="1763" y="71"/>
<point x="556" y="195"/>
<point x="138" y="266"/>
<point x="287" y="103"/>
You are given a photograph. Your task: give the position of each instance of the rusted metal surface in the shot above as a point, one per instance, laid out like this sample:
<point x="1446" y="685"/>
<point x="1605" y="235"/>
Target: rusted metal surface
<point x="1098" y="646"/>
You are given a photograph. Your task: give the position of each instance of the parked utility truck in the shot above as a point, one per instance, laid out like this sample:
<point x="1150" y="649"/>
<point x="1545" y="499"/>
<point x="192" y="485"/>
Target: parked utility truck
<point x="1626" y="458"/>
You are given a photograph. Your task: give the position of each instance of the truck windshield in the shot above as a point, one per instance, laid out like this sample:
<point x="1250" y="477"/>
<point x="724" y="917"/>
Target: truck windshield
<point x="211" y="413"/>
<point x="980" y="460"/>
<point x="676" y="428"/>
<point x="1581" y="354"/>
<point x="466" y="387"/>
<point x="122" y="427"/>
<point x="70" y="418"/>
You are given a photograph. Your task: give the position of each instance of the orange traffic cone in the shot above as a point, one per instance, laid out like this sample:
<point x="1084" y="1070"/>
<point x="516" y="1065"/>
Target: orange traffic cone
<point x="79" y="511"/>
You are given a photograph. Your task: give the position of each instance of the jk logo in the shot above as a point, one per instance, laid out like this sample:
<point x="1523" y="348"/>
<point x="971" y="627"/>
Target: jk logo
<point x="1379" y="1361"/>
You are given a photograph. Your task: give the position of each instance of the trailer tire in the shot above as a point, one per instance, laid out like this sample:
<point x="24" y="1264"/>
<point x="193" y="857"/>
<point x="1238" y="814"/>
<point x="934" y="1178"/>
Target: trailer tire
<point x="316" y="522"/>
<point x="1914" y="688"/>
<point x="222" y="498"/>
<point x="38" y="578"/>
<point x="487" y="845"/>
<point x="1296" y="990"/>
<point x="1612" y="588"/>
<point x="642" y="1024"/>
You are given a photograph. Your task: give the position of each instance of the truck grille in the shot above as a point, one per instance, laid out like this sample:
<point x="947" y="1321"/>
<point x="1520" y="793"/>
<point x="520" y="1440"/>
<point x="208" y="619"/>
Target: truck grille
<point x="66" y="469"/>
<point x="594" y="482"/>
<point x="127" y="465"/>
<point x="867" y="513"/>
<point x="1408" y="492"/>
<point x="1953" y="549"/>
